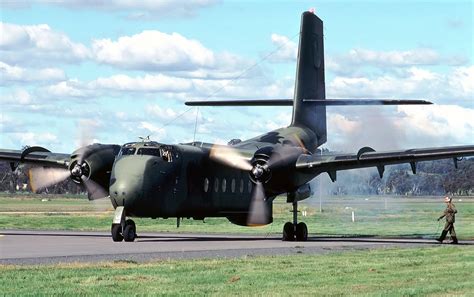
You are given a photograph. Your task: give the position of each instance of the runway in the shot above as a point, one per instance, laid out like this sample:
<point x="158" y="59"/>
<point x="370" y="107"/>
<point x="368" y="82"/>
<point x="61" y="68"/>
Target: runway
<point x="45" y="247"/>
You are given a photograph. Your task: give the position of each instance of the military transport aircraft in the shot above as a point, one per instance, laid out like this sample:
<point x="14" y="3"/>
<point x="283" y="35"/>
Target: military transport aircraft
<point x="238" y="181"/>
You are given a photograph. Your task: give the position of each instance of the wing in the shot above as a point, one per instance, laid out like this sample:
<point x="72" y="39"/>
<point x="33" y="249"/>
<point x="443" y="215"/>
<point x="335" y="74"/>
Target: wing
<point x="367" y="157"/>
<point x="35" y="155"/>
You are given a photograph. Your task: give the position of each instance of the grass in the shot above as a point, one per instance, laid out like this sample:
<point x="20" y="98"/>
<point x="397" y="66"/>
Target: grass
<point x="439" y="271"/>
<point x="379" y="215"/>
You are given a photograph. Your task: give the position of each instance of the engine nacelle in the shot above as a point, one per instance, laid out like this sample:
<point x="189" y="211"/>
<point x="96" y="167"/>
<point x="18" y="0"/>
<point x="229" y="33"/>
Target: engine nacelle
<point x="301" y="193"/>
<point x="93" y="162"/>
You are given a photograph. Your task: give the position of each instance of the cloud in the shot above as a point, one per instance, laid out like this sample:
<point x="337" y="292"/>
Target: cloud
<point x="19" y="75"/>
<point x="356" y="59"/>
<point x="45" y="139"/>
<point x="146" y="83"/>
<point x="71" y="88"/>
<point x="420" y="56"/>
<point x="437" y="124"/>
<point x="286" y="49"/>
<point x="153" y="50"/>
<point x="171" y="87"/>
<point x="148" y="9"/>
<point x="403" y="128"/>
<point x="454" y="87"/>
<point x="38" y="45"/>
<point x="16" y="97"/>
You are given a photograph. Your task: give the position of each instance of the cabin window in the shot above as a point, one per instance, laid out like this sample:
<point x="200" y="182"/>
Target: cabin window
<point x="224" y="185"/>
<point x="241" y="188"/>
<point x="216" y="185"/>
<point x="206" y="184"/>
<point x="232" y="185"/>
<point x="250" y="186"/>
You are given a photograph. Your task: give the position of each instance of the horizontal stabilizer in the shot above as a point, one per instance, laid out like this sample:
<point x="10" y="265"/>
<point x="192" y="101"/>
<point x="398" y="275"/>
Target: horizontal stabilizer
<point x="325" y="102"/>
<point x="342" y="102"/>
<point x="260" y="102"/>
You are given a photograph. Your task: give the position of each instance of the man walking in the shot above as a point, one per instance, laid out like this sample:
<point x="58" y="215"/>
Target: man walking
<point x="449" y="214"/>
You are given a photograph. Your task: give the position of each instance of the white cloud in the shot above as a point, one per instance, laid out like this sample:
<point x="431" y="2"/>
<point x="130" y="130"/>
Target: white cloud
<point x="455" y="87"/>
<point x="15" y="74"/>
<point x="146" y="83"/>
<point x="45" y="139"/>
<point x="403" y="128"/>
<point x="437" y="124"/>
<point x="155" y="131"/>
<point x="153" y="50"/>
<point x="157" y="51"/>
<point x="72" y="88"/>
<point x="147" y="9"/>
<point x="361" y="57"/>
<point x="16" y="97"/>
<point x="358" y="58"/>
<point x="38" y="45"/>
<point x="420" y="56"/>
<point x="170" y="87"/>
<point x="286" y="49"/>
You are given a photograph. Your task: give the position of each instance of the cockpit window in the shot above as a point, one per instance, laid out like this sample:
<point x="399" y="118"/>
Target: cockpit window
<point x="149" y="151"/>
<point x="127" y="151"/>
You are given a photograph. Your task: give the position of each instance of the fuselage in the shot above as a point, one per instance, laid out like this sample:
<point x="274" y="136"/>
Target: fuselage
<point x="155" y="180"/>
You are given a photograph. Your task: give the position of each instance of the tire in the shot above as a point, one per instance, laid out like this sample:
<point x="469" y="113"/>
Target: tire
<point x="301" y="232"/>
<point x="288" y="232"/>
<point x="132" y="223"/>
<point x="129" y="233"/>
<point x="116" y="233"/>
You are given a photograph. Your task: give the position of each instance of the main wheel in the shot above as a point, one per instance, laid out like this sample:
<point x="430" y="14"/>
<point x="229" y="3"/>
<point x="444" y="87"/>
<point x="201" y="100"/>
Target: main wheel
<point x="116" y="232"/>
<point x="129" y="232"/>
<point x="288" y="232"/>
<point x="301" y="232"/>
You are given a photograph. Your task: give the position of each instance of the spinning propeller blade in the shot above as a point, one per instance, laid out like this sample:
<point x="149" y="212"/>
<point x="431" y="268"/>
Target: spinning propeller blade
<point x="230" y="156"/>
<point x="258" y="211"/>
<point x="94" y="190"/>
<point x="41" y="177"/>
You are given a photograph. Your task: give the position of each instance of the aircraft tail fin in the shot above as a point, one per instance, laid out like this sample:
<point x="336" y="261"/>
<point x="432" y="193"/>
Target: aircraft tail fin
<point x="310" y="78"/>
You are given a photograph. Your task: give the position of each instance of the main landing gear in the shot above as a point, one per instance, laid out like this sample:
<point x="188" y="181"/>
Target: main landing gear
<point x="123" y="229"/>
<point x="295" y="230"/>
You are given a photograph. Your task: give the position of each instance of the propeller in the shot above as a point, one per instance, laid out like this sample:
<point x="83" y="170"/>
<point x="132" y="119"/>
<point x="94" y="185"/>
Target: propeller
<point x="230" y="156"/>
<point x="79" y="170"/>
<point x="41" y="177"/>
<point x="258" y="211"/>
<point x="260" y="170"/>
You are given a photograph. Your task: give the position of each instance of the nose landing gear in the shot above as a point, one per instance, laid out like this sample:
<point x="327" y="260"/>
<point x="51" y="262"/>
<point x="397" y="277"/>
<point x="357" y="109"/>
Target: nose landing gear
<point x="295" y="230"/>
<point x="123" y="229"/>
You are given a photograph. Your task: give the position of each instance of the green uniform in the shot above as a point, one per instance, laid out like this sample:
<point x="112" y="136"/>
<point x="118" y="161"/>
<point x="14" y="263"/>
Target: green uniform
<point x="450" y="215"/>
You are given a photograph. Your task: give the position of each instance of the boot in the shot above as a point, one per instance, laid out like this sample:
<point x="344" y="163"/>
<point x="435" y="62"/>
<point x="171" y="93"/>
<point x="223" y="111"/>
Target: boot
<point x="455" y="240"/>
<point x="442" y="236"/>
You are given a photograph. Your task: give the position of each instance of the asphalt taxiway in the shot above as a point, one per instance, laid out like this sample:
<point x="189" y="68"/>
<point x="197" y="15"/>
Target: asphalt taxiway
<point x="44" y="247"/>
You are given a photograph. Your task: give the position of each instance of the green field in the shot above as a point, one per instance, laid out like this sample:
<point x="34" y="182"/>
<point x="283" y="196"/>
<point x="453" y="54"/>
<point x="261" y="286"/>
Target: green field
<point x="440" y="271"/>
<point x="377" y="215"/>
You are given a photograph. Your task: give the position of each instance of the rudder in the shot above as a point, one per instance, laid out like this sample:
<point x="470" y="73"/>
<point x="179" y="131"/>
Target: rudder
<point x="309" y="82"/>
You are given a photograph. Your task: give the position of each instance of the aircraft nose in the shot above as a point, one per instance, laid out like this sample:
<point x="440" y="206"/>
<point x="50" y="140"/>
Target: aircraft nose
<point x="126" y="187"/>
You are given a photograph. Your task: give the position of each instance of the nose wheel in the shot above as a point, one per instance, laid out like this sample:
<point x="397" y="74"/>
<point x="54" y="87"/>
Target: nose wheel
<point x="293" y="230"/>
<point x="123" y="229"/>
<point x="129" y="232"/>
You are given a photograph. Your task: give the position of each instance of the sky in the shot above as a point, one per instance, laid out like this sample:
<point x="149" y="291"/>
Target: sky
<point x="80" y="71"/>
